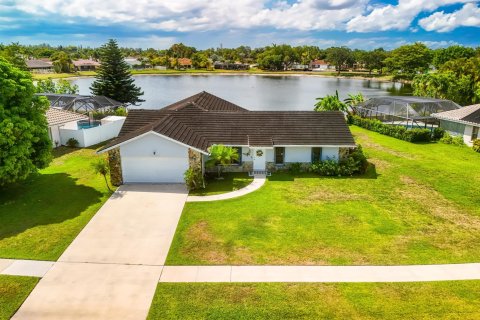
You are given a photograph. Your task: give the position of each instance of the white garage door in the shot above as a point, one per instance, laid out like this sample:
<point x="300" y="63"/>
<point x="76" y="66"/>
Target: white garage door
<point x="154" y="169"/>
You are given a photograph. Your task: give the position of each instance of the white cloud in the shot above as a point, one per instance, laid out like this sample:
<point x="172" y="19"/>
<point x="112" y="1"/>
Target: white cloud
<point x="467" y="16"/>
<point x="395" y="17"/>
<point x="199" y="15"/>
<point x="224" y="15"/>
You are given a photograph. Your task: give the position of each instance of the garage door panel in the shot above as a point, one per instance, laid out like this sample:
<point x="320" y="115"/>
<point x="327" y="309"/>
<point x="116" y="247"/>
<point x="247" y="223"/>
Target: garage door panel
<point x="154" y="169"/>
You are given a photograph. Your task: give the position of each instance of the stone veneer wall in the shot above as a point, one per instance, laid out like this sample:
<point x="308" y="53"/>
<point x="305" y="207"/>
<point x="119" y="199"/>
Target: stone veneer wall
<point x="246" y="166"/>
<point x="194" y="160"/>
<point x="115" y="167"/>
<point x="343" y="153"/>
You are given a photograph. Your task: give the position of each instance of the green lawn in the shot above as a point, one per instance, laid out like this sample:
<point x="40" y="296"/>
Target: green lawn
<point x="40" y="217"/>
<point x="421" y="206"/>
<point x="13" y="291"/>
<point x="427" y="300"/>
<point x="229" y="182"/>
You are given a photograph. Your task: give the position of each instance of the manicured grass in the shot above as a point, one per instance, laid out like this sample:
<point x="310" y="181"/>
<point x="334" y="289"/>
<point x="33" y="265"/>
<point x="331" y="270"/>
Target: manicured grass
<point x="13" y="291"/>
<point x="229" y="182"/>
<point x="428" y="300"/>
<point x="420" y="206"/>
<point x="40" y="217"/>
<point x="43" y="76"/>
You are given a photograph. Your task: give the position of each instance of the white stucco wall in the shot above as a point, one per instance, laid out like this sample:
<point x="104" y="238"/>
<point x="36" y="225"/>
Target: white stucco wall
<point x="269" y="157"/>
<point x="141" y="165"/>
<point x="54" y="136"/>
<point x="91" y="136"/>
<point x="467" y="135"/>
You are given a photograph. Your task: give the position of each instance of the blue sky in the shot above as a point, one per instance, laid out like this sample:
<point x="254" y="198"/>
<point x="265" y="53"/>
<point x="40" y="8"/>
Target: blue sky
<point x="361" y="24"/>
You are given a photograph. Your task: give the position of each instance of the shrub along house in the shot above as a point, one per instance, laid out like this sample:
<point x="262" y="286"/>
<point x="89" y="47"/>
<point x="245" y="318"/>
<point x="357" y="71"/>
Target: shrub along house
<point x="463" y="122"/>
<point x="158" y="146"/>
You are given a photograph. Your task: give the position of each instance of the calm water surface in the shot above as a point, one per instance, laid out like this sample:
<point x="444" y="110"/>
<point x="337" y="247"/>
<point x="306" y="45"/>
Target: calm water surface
<point x="252" y="91"/>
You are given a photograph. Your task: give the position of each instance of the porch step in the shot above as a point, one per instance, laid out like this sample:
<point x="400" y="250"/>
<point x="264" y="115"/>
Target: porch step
<point x="259" y="173"/>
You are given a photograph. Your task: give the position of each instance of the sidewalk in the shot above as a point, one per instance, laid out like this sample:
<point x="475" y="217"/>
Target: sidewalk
<point x="410" y="273"/>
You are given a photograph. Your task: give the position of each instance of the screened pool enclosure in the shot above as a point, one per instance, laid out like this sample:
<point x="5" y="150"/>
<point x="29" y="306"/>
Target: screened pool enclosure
<point x="408" y="111"/>
<point x="81" y="103"/>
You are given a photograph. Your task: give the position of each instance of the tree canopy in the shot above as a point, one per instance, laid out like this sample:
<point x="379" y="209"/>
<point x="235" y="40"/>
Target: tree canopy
<point x="409" y="60"/>
<point x="339" y="57"/>
<point x="62" y="86"/>
<point x="24" y="142"/>
<point x="113" y="78"/>
<point x="457" y="80"/>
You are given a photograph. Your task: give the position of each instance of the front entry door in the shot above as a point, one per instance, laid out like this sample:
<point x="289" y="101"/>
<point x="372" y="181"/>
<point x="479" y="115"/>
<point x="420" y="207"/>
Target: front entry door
<point x="279" y="155"/>
<point x="259" y="156"/>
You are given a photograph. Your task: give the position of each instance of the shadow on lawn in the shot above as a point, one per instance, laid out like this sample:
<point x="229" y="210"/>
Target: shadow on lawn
<point x="42" y="200"/>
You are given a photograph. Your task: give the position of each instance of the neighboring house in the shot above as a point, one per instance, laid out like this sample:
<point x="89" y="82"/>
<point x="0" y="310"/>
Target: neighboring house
<point x="320" y="65"/>
<point x="134" y="63"/>
<point x="57" y="119"/>
<point x="299" y="67"/>
<point x="184" y="63"/>
<point x="231" y="66"/>
<point x="158" y="146"/>
<point x="461" y="122"/>
<point x="40" y="66"/>
<point x="85" y="65"/>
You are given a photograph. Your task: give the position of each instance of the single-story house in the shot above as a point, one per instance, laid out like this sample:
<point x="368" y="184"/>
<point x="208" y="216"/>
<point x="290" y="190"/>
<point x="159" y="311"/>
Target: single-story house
<point x="184" y="63"/>
<point x="461" y="122"/>
<point x="158" y="146"/>
<point x="39" y="66"/>
<point x="86" y="65"/>
<point x="320" y="65"/>
<point x="135" y="63"/>
<point x="58" y="118"/>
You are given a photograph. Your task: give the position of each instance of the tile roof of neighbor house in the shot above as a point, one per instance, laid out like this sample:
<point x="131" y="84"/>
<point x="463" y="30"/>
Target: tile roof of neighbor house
<point x="184" y="61"/>
<point x="38" y="64"/>
<point x="59" y="116"/>
<point x="468" y="114"/>
<point x="200" y="128"/>
<point x="85" y="62"/>
<point x="316" y="61"/>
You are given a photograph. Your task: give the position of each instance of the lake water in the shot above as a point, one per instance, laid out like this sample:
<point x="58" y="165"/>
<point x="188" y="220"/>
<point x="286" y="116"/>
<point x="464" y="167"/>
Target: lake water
<point x="253" y="92"/>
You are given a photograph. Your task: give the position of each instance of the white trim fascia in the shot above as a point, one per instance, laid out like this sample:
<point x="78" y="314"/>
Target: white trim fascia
<point x="458" y="121"/>
<point x="155" y="133"/>
<point x="317" y="145"/>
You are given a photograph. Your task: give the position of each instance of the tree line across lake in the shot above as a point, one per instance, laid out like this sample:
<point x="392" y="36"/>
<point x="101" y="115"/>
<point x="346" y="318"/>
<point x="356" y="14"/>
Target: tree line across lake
<point x="449" y="73"/>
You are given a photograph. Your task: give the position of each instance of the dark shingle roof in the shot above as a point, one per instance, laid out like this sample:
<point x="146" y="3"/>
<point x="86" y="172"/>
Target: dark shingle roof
<point x="206" y="102"/>
<point x="200" y="129"/>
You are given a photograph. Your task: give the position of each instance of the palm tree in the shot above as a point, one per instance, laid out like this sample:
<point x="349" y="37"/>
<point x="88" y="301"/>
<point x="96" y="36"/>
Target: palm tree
<point x="221" y="156"/>
<point x="330" y="103"/>
<point x="101" y="167"/>
<point x="353" y="100"/>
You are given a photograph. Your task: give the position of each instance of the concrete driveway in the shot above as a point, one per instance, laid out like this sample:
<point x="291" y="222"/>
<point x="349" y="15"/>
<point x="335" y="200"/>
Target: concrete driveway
<point x="110" y="271"/>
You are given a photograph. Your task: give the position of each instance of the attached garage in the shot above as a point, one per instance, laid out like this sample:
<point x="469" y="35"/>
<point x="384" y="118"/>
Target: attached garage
<point x="153" y="159"/>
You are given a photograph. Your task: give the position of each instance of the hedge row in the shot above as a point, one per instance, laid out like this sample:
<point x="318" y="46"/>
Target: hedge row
<point x="399" y="132"/>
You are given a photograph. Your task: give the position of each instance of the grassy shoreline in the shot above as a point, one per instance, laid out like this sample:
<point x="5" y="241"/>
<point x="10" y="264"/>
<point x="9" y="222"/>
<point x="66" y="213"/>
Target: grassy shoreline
<point x="345" y="75"/>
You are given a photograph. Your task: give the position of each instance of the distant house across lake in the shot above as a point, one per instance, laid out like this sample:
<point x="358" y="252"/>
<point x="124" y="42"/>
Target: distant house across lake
<point x="86" y="65"/>
<point x="40" y="66"/>
<point x="320" y="65"/>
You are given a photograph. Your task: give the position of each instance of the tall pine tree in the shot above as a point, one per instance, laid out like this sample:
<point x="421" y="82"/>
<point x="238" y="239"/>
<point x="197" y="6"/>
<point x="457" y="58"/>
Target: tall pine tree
<point x="113" y="78"/>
